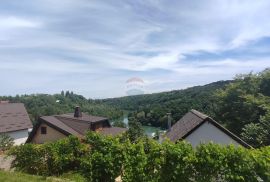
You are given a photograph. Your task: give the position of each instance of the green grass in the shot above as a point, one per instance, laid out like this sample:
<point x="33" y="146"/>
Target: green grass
<point x="21" y="177"/>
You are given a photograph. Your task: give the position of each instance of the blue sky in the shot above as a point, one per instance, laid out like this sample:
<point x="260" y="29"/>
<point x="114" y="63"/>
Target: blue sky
<point x="93" y="47"/>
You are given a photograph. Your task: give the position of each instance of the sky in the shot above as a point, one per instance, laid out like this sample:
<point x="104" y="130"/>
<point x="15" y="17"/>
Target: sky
<point x="91" y="47"/>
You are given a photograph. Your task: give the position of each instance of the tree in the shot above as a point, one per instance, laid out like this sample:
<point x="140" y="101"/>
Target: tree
<point x="254" y="134"/>
<point x="119" y="123"/>
<point x="135" y="130"/>
<point x="244" y="107"/>
<point x="67" y="94"/>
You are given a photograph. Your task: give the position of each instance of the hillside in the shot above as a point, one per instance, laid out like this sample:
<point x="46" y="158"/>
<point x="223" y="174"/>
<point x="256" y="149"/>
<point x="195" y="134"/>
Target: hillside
<point x="151" y="109"/>
<point x="45" y="104"/>
<point x="241" y="105"/>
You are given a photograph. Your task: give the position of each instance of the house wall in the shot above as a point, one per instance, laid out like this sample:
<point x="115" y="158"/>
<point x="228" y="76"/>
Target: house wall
<point x="19" y="136"/>
<point x="209" y="133"/>
<point x="51" y="135"/>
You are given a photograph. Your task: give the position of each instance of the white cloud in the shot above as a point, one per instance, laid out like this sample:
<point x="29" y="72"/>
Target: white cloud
<point x="108" y="42"/>
<point x="17" y="22"/>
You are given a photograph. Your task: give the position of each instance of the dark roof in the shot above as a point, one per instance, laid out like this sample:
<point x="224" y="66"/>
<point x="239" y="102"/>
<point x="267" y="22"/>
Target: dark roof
<point x="70" y="125"/>
<point x="193" y="120"/>
<point x="61" y="124"/>
<point x="85" y="117"/>
<point x="13" y="117"/>
<point x="112" y="131"/>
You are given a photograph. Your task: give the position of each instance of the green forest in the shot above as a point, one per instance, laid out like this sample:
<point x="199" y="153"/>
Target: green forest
<point x="242" y="105"/>
<point x="44" y="104"/>
<point x="152" y="109"/>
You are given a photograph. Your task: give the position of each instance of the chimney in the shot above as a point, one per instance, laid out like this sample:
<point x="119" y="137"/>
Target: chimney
<point x="169" y="121"/>
<point x="77" y="112"/>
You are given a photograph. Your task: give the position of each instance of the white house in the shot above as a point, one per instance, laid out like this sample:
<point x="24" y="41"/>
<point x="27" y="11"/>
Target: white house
<point x="197" y="128"/>
<point x="15" y="122"/>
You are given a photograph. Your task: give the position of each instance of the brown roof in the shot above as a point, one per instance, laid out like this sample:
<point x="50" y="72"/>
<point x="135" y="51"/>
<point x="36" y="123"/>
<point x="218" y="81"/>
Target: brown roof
<point x="112" y="131"/>
<point x="13" y="117"/>
<point x="70" y="125"/>
<point x="54" y="122"/>
<point x="85" y="117"/>
<point x="191" y="121"/>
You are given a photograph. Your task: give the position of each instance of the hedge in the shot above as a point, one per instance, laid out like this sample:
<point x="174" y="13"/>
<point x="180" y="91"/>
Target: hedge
<point x="99" y="158"/>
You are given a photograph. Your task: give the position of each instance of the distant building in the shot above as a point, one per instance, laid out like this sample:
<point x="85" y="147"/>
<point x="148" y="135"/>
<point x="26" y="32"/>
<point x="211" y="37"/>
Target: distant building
<point x="52" y="128"/>
<point x="197" y="128"/>
<point x="14" y="121"/>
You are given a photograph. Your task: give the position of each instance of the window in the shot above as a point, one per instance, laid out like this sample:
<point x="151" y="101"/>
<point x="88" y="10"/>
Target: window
<point x="43" y="130"/>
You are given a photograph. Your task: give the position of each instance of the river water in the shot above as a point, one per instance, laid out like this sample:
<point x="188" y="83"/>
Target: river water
<point x="149" y="130"/>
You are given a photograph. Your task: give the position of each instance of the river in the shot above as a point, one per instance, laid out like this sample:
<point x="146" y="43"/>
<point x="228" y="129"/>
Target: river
<point x="149" y="130"/>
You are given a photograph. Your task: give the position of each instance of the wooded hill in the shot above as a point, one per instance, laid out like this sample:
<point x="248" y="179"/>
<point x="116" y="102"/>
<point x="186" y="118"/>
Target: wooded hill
<point x="45" y="104"/>
<point x="242" y="105"/>
<point x="152" y="109"/>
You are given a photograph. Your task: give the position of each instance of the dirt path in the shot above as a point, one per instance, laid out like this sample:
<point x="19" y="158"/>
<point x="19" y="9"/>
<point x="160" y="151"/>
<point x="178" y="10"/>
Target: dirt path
<point x="5" y="162"/>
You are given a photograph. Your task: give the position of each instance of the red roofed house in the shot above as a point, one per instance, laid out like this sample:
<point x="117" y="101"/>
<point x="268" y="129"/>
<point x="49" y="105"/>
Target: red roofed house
<point x="14" y="121"/>
<point x="196" y="128"/>
<point x="52" y="128"/>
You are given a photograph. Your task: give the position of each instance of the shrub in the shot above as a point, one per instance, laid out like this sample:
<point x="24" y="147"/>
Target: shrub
<point x="6" y="142"/>
<point x="104" y="160"/>
<point x="239" y="165"/>
<point x="100" y="158"/>
<point x="64" y="155"/>
<point x="49" y="159"/>
<point x="29" y="158"/>
<point x="209" y="162"/>
<point x="135" y="161"/>
<point x="261" y="159"/>
<point x="178" y="162"/>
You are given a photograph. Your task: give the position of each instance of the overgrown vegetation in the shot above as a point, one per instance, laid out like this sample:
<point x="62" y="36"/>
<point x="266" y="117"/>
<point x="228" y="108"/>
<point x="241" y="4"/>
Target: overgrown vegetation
<point x="244" y="107"/>
<point x="6" y="142"/>
<point x="100" y="158"/>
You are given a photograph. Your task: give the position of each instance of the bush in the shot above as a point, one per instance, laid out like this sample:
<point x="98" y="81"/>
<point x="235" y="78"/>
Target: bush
<point x="104" y="160"/>
<point x="261" y="159"/>
<point x="29" y="158"/>
<point x="178" y="162"/>
<point x="6" y="142"/>
<point x="100" y="158"/>
<point x="50" y="158"/>
<point x="135" y="161"/>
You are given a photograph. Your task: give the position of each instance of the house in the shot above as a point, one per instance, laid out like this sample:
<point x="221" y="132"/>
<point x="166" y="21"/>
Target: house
<point x="52" y="128"/>
<point x="14" y="121"/>
<point x="196" y="128"/>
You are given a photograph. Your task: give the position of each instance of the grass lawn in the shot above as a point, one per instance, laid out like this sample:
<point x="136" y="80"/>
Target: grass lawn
<point x="21" y="177"/>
